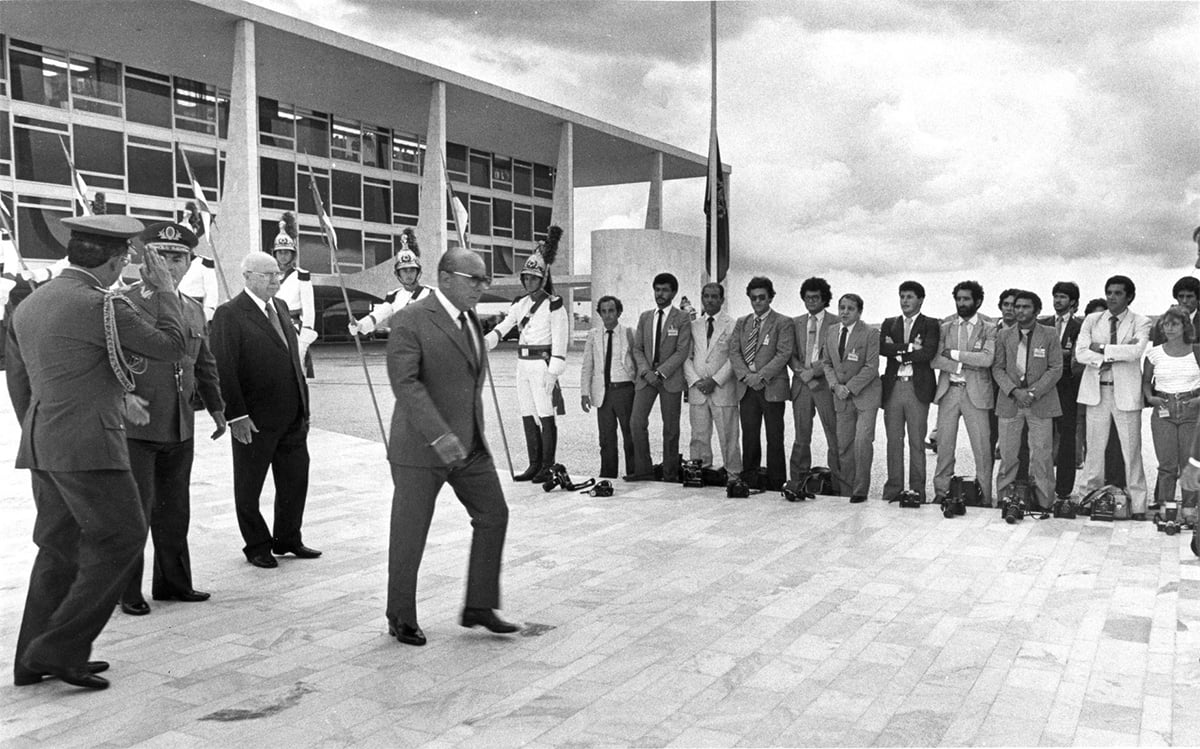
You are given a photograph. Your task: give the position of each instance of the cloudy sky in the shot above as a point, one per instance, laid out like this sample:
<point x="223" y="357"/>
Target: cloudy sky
<point x="1015" y="142"/>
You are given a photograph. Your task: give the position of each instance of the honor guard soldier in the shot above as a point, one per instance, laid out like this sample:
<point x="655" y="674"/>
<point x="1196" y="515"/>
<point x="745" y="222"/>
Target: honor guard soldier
<point x="200" y="281"/>
<point x="545" y="330"/>
<point x="73" y="349"/>
<point x="161" y="452"/>
<point x="296" y="289"/>
<point x="408" y="272"/>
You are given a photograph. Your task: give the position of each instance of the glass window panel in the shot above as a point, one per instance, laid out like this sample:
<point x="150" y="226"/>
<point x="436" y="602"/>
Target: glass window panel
<point x="406" y="198"/>
<point x="487" y="261"/>
<point x="502" y="259"/>
<point x="150" y="172"/>
<point x="456" y="158"/>
<point x="276" y="123"/>
<point x="350" y="254"/>
<point x="377" y="147"/>
<point x="312" y="133"/>
<point x="481" y="217"/>
<point x="147" y="102"/>
<point x="223" y="114"/>
<point x="204" y="166"/>
<point x="543" y="180"/>
<point x="96" y="84"/>
<point x="377" y="250"/>
<point x="406" y="154"/>
<point x="39" y="75"/>
<point x="346" y="141"/>
<point x="502" y="213"/>
<point x="43" y="237"/>
<point x="377" y="203"/>
<point x="522" y="179"/>
<point x="502" y="172"/>
<point x="98" y="150"/>
<point x="39" y="156"/>
<point x="278" y="178"/>
<point x="314" y="255"/>
<point x="5" y="138"/>
<point x="305" y="192"/>
<point x="481" y="171"/>
<point x="522" y="223"/>
<point x="269" y="230"/>
<point x="195" y="105"/>
<point x="541" y="220"/>
<point x="347" y="189"/>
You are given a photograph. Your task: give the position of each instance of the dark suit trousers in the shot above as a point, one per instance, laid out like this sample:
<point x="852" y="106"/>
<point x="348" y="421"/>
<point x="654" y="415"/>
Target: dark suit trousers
<point x="905" y="410"/>
<point x="77" y="576"/>
<point x="163" y="472"/>
<point x="643" y="402"/>
<point x="617" y="409"/>
<point x="285" y="452"/>
<point x="1064" y="441"/>
<point x="754" y="409"/>
<point x="804" y="407"/>
<point x="416" y="489"/>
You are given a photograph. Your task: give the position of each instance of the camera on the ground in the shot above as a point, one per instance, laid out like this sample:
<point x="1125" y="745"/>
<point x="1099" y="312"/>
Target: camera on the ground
<point x="793" y="491"/>
<point x="953" y="507"/>
<point x="558" y="477"/>
<point x="1065" y="509"/>
<point x="603" y="488"/>
<point x="1168" y="521"/>
<point x="909" y="499"/>
<point x="737" y="489"/>
<point x="691" y="473"/>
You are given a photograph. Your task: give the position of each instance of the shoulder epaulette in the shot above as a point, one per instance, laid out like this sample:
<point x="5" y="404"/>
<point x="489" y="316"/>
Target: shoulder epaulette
<point x="391" y="296"/>
<point x="556" y="303"/>
<point x="207" y="262"/>
<point x="303" y="275"/>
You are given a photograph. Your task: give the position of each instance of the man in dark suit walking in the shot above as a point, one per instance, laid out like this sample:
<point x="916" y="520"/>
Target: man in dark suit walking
<point x="266" y="404"/>
<point x="437" y="364"/>
<point x="160" y="452"/>
<point x="1065" y="299"/>
<point x="67" y="375"/>
<point x="909" y="342"/>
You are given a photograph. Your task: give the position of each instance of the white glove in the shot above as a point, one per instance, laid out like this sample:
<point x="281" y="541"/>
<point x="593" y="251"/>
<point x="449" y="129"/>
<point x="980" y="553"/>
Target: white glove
<point x="365" y="326"/>
<point x="549" y="380"/>
<point x="305" y="338"/>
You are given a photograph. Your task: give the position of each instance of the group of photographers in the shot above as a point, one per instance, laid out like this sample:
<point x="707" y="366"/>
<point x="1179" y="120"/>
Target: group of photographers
<point x="1019" y="384"/>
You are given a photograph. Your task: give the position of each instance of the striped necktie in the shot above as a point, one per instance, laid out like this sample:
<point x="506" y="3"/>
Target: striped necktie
<point x="752" y="344"/>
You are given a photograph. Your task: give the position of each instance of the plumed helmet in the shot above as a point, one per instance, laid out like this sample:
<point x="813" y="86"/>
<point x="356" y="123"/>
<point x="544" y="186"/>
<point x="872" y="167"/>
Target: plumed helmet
<point x="542" y="258"/>
<point x="409" y="255"/>
<point x="288" y="233"/>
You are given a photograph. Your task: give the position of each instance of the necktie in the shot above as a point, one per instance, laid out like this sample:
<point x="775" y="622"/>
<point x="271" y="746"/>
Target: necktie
<point x="814" y="343"/>
<point x="273" y="316"/>
<point x="1023" y="356"/>
<point x="1062" y="325"/>
<point x="709" y="327"/>
<point x="1113" y="322"/>
<point x="466" y="331"/>
<point x="752" y="344"/>
<point x="658" y="337"/>
<point x="907" y="328"/>
<point x="842" y="343"/>
<point x="608" y="340"/>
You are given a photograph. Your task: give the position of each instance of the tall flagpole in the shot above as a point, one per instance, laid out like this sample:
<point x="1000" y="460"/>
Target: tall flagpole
<point x="714" y="167"/>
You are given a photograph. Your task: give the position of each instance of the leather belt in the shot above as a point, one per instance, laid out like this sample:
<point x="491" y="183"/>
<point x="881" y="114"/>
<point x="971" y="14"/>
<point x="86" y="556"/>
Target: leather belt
<point x="957" y="384"/>
<point x="905" y="378"/>
<point x="619" y="385"/>
<point x="1179" y="396"/>
<point x="1106" y="384"/>
<point x="534" y="352"/>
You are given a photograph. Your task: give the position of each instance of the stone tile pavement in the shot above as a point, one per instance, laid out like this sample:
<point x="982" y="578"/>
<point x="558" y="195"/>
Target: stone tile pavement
<point x="657" y="617"/>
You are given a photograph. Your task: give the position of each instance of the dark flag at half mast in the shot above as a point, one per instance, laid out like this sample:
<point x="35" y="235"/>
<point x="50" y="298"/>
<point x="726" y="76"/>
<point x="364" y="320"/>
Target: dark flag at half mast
<point x="722" y="264"/>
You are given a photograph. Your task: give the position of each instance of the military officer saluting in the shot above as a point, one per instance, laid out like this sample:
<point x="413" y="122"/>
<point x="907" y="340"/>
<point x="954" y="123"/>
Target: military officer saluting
<point x="296" y="288"/>
<point x="161" y="451"/>
<point x="408" y="272"/>
<point x="71" y="353"/>
<point x="545" y="330"/>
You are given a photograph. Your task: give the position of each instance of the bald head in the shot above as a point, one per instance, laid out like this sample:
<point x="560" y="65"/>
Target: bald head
<point x="464" y="261"/>
<point x="259" y="262"/>
<point x="462" y="277"/>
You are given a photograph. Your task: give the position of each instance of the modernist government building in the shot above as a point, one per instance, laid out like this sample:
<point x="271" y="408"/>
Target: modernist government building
<point x="261" y="102"/>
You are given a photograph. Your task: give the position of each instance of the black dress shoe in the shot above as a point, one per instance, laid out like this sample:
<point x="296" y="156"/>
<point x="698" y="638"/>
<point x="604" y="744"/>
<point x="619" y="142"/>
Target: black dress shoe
<point x="264" y="560"/>
<point x="1138" y="516"/>
<point x="407" y="634"/>
<point x="1196" y="543"/>
<point x="528" y="473"/>
<point x="76" y="676"/>
<point x="487" y="619"/>
<point x="638" y="477"/>
<point x="187" y="596"/>
<point x="135" y="608"/>
<point x="299" y="550"/>
<point x="857" y="498"/>
<point x="25" y="678"/>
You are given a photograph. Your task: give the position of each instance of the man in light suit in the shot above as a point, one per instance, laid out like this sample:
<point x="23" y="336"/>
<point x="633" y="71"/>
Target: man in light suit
<point x="810" y="392"/>
<point x="606" y="382"/>
<point x="68" y="396"/>
<point x="1066" y="330"/>
<point x="909" y="342"/>
<point x="851" y="362"/>
<point x="437" y="364"/>
<point x="965" y="388"/>
<point x="266" y="404"/>
<point x="660" y="347"/>
<point x="712" y="391"/>
<point x="1111" y="345"/>
<point x="759" y="350"/>
<point x="161" y="452"/>
<point x="1027" y="366"/>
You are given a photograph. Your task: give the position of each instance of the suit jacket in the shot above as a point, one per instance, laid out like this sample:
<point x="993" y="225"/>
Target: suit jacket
<point x="928" y="332"/>
<point x="975" y="357"/>
<point x="673" y="350"/>
<point x="1133" y="338"/>
<point x="591" y="374"/>
<point x="776" y="340"/>
<point x="799" y="364"/>
<point x="437" y="381"/>
<point x="172" y="417"/>
<point x="1045" y="367"/>
<point x="1068" y="384"/>
<point x="711" y="359"/>
<point x="62" y="386"/>
<point x="859" y="370"/>
<point x="261" y="376"/>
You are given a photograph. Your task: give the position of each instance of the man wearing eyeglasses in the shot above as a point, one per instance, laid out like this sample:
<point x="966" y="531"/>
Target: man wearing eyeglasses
<point x="266" y="407"/>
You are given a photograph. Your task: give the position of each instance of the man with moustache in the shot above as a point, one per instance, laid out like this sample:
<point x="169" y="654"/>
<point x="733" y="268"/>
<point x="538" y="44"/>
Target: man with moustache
<point x="810" y="391"/>
<point x="965" y="388"/>
<point x="712" y="390"/>
<point x="606" y="382"/>
<point x="909" y="342"/>
<point x="851" y="362"/>
<point x="1065" y="298"/>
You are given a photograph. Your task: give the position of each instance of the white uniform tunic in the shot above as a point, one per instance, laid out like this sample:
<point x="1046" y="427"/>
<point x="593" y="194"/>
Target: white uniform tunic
<point x="542" y="356"/>
<point x="396" y="300"/>
<point x="200" y="283"/>
<point x="296" y="291"/>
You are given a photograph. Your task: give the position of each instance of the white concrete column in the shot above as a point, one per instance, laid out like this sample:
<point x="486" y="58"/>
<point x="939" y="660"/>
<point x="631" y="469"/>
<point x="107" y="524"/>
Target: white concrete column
<point x="431" y="226"/>
<point x="654" y="203"/>
<point x="238" y="231"/>
<point x="563" y="212"/>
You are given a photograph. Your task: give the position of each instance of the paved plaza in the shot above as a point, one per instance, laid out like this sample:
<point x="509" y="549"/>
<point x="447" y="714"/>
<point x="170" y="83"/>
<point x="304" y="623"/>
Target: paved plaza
<point x="657" y="617"/>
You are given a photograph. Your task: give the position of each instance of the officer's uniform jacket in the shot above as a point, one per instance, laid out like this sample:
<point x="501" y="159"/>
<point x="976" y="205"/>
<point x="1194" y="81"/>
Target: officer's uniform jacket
<point x="169" y="386"/>
<point x="200" y="283"/>
<point x="296" y="291"/>
<point x="549" y="326"/>
<point x="62" y="386"/>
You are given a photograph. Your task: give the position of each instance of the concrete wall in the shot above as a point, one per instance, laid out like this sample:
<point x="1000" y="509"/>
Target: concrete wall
<point x="625" y="261"/>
